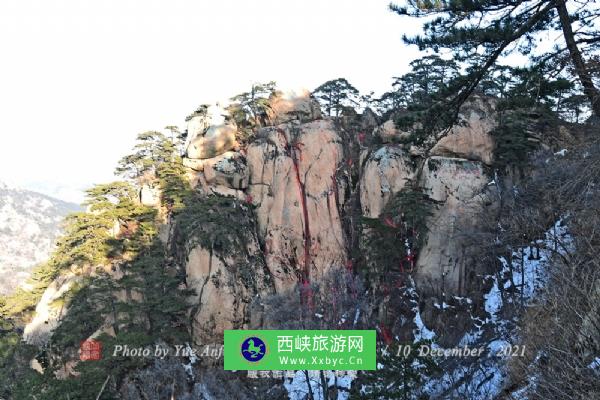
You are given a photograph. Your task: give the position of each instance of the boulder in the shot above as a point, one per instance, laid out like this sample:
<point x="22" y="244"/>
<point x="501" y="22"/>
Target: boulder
<point x="293" y="105"/>
<point x="197" y="126"/>
<point x="385" y="173"/>
<point x="471" y="137"/>
<point x="206" y="116"/>
<point x="292" y="185"/>
<point x="217" y="140"/>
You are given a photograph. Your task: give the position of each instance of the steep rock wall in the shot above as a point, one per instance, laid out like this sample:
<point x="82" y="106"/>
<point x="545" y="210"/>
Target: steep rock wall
<point x="457" y="185"/>
<point x="215" y="241"/>
<point x="225" y="287"/>
<point x="292" y="184"/>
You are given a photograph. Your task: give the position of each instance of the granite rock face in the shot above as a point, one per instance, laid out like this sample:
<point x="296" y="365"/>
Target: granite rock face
<point x="458" y="186"/>
<point x="289" y="174"/>
<point x="224" y="286"/>
<point x="293" y="179"/>
<point x="386" y="172"/>
<point x="471" y="137"/>
<point x="293" y="186"/>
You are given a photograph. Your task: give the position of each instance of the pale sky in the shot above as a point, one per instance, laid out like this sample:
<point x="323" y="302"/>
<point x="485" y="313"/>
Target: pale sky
<point x="80" y="78"/>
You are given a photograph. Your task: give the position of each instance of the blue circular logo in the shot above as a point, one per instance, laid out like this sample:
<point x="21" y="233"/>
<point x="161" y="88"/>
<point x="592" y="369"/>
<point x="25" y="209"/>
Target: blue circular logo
<point x="253" y="349"/>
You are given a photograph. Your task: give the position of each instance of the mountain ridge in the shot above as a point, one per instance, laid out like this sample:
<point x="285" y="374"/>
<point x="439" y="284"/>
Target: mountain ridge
<point x="29" y="226"/>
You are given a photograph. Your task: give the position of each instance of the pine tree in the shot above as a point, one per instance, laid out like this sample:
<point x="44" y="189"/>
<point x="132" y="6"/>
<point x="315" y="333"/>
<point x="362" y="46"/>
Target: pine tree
<point x="175" y="187"/>
<point x="525" y="95"/>
<point x="480" y="32"/>
<point x="418" y="97"/>
<point x="336" y="94"/>
<point x="152" y="148"/>
<point x="85" y="240"/>
<point x="418" y="88"/>
<point x="162" y="301"/>
<point x="250" y="110"/>
<point x="428" y="80"/>
<point x="393" y="240"/>
<point x="157" y="160"/>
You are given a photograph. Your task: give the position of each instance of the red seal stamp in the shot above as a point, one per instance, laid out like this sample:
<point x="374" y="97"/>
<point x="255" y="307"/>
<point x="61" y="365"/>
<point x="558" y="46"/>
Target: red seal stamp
<point x="90" y="350"/>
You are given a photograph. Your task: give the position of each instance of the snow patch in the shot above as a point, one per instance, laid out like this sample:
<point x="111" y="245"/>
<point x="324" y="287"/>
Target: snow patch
<point x="595" y="365"/>
<point x="298" y="388"/>
<point x="561" y="153"/>
<point x="421" y="332"/>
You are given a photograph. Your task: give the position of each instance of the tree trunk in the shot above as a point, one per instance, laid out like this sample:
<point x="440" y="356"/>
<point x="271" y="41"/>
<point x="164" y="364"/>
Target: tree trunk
<point x="310" y="391"/>
<point x="580" y="69"/>
<point x="324" y="385"/>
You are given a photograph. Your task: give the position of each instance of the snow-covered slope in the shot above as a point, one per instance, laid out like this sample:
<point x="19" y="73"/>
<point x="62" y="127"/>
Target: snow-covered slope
<point x="484" y="377"/>
<point x="29" y="225"/>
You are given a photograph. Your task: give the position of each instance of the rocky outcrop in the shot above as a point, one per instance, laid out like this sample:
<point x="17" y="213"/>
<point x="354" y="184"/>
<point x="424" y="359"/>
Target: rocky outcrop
<point x="294" y="233"/>
<point x="385" y="173"/>
<point x="288" y="173"/>
<point x="471" y="137"/>
<point x="49" y="311"/>
<point x="293" y="105"/>
<point x="203" y="118"/>
<point x="457" y="185"/>
<point x="217" y="140"/>
<point x="292" y="184"/>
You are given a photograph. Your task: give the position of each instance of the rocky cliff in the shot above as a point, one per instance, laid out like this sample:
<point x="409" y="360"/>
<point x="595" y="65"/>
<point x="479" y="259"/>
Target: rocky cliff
<point x="295" y="197"/>
<point x="303" y="214"/>
<point x="307" y="177"/>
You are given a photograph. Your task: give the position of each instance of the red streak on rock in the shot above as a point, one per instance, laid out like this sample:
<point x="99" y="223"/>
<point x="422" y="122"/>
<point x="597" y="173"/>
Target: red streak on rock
<point x="296" y="156"/>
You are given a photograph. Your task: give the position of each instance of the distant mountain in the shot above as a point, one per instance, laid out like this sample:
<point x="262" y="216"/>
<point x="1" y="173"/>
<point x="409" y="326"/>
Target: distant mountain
<point x="29" y="226"/>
